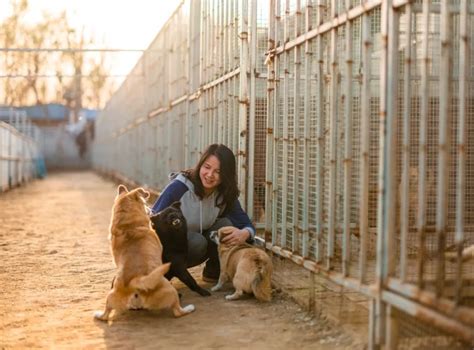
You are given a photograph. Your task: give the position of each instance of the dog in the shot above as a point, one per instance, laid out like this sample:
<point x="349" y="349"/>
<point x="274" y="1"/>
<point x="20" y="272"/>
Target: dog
<point x="140" y="281"/>
<point x="171" y="227"/>
<point x="467" y="254"/>
<point x="249" y="268"/>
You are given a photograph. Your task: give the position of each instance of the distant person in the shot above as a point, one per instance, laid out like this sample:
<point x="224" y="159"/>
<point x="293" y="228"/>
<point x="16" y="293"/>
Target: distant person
<point x="209" y="200"/>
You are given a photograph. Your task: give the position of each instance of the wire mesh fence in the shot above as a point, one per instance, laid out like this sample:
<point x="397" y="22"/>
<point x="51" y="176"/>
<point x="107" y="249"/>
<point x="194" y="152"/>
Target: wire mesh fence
<point x="350" y="121"/>
<point x="20" y="150"/>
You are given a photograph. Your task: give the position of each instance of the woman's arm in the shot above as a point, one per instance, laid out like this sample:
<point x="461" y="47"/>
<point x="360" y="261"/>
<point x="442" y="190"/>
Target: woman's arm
<point x="172" y="193"/>
<point x="240" y="219"/>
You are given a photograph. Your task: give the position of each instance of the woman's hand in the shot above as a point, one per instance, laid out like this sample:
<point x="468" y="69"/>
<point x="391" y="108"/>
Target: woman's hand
<point x="236" y="237"/>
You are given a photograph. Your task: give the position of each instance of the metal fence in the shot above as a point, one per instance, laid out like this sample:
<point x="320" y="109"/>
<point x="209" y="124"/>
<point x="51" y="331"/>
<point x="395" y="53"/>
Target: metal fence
<point x="350" y="121"/>
<point x="19" y="149"/>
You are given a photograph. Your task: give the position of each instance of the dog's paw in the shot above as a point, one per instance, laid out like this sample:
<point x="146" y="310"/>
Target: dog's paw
<point x="235" y="296"/>
<point x="100" y="315"/>
<point x="189" y="308"/>
<point x="215" y="288"/>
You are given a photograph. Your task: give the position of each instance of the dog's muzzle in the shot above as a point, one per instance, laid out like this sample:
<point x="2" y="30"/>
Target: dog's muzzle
<point x="214" y="236"/>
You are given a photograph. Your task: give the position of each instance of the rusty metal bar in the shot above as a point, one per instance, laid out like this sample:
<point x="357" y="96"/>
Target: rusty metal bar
<point x="335" y="22"/>
<point x="365" y="146"/>
<point x="382" y="183"/>
<point x="321" y="132"/>
<point x="252" y="105"/>
<point x="444" y="146"/>
<point x="337" y="277"/>
<point x="295" y="136"/>
<point x="242" y="155"/>
<point x="333" y="124"/>
<point x="422" y="157"/>
<point x="464" y="74"/>
<point x="307" y="135"/>
<point x="445" y="306"/>
<point x="286" y="78"/>
<point x="391" y="163"/>
<point x="427" y="315"/>
<point x="405" y="181"/>
<point x="270" y="152"/>
<point x="347" y="148"/>
<point x="276" y="132"/>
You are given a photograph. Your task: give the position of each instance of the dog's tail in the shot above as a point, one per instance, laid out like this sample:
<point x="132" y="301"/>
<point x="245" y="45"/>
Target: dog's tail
<point x="262" y="284"/>
<point x="150" y="281"/>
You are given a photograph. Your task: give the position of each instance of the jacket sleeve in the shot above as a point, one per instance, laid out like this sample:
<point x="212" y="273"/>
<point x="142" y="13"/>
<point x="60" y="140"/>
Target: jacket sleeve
<point x="172" y="193"/>
<point x="241" y="220"/>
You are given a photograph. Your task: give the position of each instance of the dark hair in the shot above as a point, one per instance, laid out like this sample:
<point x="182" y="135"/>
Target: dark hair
<point x="228" y="188"/>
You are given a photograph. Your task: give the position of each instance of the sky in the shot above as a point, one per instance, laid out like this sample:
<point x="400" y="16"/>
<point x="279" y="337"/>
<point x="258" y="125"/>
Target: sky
<point x="118" y="24"/>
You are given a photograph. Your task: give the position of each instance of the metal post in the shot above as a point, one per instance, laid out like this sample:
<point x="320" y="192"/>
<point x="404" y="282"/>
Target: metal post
<point x="321" y="132"/>
<point x="422" y="160"/>
<point x="189" y="84"/>
<point x="333" y="124"/>
<point x="405" y="181"/>
<point x="253" y="87"/>
<point x="243" y="100"/>
<point x="307" y="135"/>
<point x="295" y="142"/>
<point x="365" y="146"/>
<point x="347" y="148"/>
<point x="464" y="62"/>
<point x="269" y="196"/>
<point x="276" y="185"/>
<point x="284" y="186"/>
<point x="444" y="146"/>
<point x="391" y="162"/>
<point x="384" y="142"/>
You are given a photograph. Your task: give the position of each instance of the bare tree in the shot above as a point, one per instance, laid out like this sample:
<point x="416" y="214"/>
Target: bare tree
<point x="46" y="71"/>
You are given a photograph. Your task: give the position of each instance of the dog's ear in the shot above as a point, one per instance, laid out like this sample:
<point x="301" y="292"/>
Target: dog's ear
<point x="143" y="193"/>
<point x="176" y="205"/>
<point x="121" y="189"/>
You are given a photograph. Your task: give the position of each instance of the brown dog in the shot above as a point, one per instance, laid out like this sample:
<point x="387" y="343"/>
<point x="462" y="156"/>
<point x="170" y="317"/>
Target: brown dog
<point x="137" y="251"/>
<point x="466" y="255"/>
<point x="249" y="268"/>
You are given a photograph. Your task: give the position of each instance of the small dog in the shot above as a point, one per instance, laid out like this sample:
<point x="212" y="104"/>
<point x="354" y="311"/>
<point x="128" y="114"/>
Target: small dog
<point x="171" y="227"/>
<point x="466" y="255"/>
<point x="249" y="268"/>
<point x="137" y="253"/>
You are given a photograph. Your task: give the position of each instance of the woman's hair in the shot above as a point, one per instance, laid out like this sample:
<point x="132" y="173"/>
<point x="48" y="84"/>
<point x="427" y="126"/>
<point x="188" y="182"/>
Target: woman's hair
<point x="228" y="189"/>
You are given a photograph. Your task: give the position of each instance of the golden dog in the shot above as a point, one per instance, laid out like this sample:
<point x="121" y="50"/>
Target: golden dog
<point x="137" y="254"/>
<point x="249" y="268"/>
<point x="467" y="254"/>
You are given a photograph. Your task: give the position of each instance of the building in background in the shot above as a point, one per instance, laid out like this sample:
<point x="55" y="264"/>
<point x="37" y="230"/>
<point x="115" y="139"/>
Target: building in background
<point x="65" y="144"/>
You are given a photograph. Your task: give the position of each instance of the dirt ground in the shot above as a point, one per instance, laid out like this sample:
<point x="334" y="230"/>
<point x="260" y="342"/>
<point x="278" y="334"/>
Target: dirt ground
<point x="56" y="269"/>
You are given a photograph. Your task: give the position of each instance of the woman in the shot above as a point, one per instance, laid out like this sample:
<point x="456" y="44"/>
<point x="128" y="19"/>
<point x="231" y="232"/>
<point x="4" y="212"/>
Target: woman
<point x="209" y="200"/>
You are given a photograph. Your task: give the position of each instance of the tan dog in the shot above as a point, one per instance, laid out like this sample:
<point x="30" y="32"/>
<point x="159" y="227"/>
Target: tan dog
<point x="137" y="251"/>
<point x="249" y="268"/>
<point x="466" y="255"/>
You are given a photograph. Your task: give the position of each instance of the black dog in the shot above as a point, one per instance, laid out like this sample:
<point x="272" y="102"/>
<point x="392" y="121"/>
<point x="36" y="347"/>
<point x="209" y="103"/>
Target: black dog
<point x="171" y="227"/>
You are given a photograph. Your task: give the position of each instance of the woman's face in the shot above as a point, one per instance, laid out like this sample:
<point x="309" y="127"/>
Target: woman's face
<point x="210" y="174"/>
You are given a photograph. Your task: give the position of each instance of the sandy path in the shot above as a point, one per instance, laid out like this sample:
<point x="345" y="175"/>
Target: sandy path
<point x="56" y="268"/>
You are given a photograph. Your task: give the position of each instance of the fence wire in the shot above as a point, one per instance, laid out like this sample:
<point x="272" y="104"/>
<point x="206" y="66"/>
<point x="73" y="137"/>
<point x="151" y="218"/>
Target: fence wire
<point x="350" y="121"/>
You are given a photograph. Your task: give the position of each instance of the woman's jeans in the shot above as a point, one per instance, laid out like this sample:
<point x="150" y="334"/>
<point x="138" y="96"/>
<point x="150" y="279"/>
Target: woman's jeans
<point x="201" y="248"/>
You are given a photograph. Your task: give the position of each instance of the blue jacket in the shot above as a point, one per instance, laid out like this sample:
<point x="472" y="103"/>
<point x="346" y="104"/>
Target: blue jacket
<point x="199" y="214"/>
